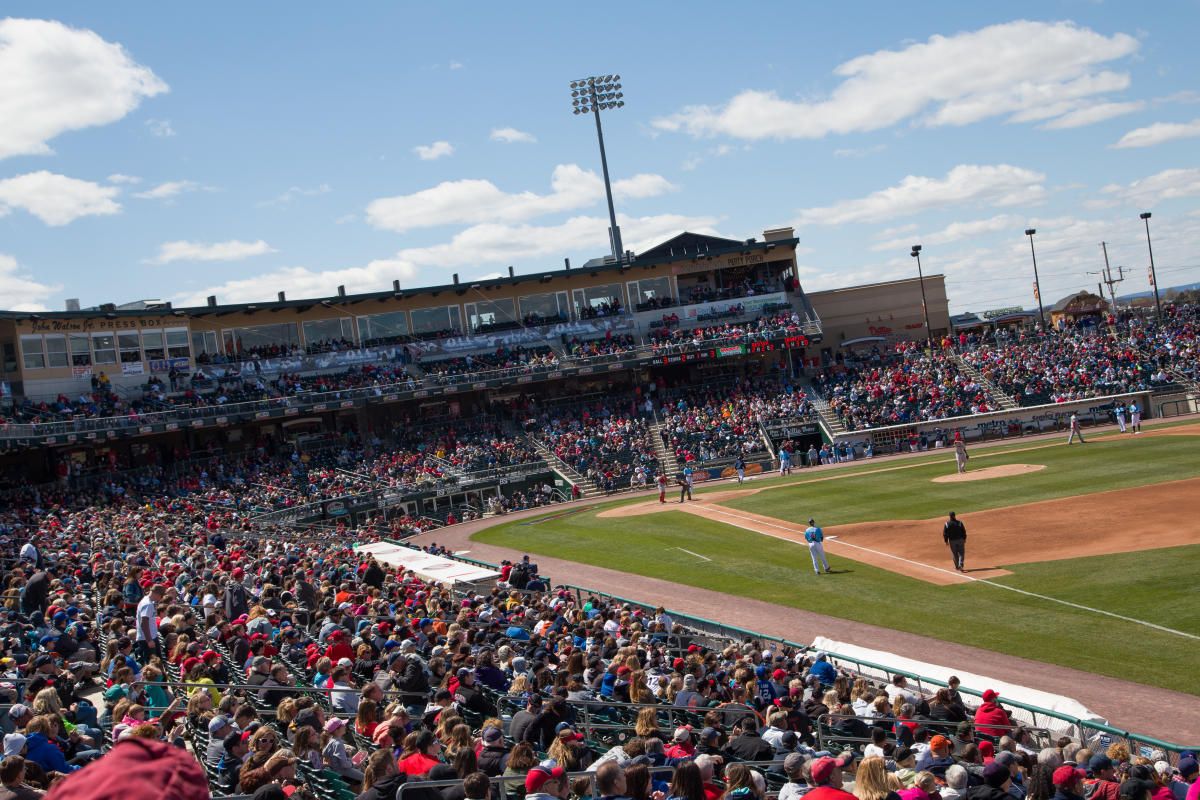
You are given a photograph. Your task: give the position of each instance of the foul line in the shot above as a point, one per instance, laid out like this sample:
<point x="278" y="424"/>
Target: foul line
<point x="716" y="510"/>
<point x="690" y="553"/>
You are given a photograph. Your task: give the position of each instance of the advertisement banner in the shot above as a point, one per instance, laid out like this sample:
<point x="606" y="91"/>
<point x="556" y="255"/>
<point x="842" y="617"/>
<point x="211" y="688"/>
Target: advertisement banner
<point x="133" y="368"/>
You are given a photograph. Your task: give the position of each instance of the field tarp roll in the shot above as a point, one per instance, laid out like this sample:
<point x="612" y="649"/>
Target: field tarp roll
<point x="1057" y="704"/>
<point x="428" y="566"/>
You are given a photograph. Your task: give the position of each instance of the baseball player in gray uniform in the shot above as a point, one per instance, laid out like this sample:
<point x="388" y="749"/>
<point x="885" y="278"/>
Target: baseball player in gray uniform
<point x="960" y="455"/>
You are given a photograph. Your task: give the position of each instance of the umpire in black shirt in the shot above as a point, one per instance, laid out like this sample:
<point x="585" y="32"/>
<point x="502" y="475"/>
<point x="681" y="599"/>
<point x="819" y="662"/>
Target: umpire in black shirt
<point x="954" y="533"/>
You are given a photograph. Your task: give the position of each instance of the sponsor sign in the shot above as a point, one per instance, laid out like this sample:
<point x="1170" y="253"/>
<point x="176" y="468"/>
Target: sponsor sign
<point x="133" y="368"/>
<point x="731" y="350"/>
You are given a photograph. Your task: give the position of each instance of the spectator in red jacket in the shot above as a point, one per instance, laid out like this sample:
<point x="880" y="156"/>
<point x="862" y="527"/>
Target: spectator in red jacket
<point x="990" y="714"/>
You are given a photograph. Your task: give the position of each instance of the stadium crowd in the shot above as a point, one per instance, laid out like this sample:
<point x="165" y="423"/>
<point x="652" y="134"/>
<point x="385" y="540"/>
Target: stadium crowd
<point x="908" y="384"/>
<point x="723" y="421"/>
<point x="153" y="640"/>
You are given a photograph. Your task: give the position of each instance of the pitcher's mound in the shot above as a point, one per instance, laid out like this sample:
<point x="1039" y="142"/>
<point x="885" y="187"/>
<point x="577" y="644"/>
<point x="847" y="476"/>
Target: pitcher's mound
<point x="1001" y="471"/>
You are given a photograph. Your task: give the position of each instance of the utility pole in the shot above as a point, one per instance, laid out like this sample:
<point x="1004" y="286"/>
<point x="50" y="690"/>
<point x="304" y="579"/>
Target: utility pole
<point x="1109" y="279"/>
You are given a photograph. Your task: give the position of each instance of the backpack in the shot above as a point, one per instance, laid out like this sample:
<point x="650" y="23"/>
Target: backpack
<point x="235" y="601"/>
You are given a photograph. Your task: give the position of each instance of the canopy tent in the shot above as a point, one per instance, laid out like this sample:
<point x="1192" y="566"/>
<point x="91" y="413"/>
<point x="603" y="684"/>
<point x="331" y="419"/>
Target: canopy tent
<point x="428" y="566"/>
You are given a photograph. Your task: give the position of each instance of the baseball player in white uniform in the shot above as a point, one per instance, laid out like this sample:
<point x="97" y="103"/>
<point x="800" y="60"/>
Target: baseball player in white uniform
<point x="960" y="455"/>
<point x="1135" y="417"/>
<point x="1075" y="431"/>
<point x="1119" y="412"/>
<point x="816" y="546"/>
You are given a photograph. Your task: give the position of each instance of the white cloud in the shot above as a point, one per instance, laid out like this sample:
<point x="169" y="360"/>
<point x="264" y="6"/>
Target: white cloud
<point x="1000" y="70"/>
<point x="1091" y="114"/>
<point x="512" y="135"/>
<point x="56" y="199"/>
<point x="21" y="292"/>
<point x="999" y="185"/>
<point x="432" y="152"/>
<point x="472" y="201"/>
<point x="859" y="152"/>
<point x="476" y="247"/>
<point x="456" y="65"/>
<point x="232" y="250"/>
<point x="953" y="232"/>
<point x="165" y="191"/>
<point x="118" y="178"/>
<point x="160" y="127"/>
<point x="294" y="192"/>
<point x="1158" y="133"/>
<point x="55" y="79"/>
<point x="1170" y="184"/>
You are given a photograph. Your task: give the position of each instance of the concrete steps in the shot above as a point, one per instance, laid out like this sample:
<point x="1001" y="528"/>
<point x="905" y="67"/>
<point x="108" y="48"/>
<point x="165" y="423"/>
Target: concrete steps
<point x="1007" y="403"/>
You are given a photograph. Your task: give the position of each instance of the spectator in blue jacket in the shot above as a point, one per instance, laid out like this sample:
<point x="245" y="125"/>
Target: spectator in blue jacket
<point x="825" y="671"/>
<point x="41" y="750"/>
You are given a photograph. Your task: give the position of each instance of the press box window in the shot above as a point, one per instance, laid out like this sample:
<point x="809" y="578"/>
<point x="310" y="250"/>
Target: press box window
<point x="177" y="343"/>
<point x="32" y="353"/>
<point x="104" y="348"/>
<point x="130" y="346"/>
<point x="81" y="350"/>
<point x="56" y="352"/>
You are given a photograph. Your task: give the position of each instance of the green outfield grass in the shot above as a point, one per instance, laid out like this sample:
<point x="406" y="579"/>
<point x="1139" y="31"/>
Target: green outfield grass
<point x="1155" y="586"/>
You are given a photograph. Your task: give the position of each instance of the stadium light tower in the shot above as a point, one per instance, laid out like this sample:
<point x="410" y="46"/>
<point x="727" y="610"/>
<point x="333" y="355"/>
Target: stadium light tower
<point x="1145" y="215"/>
<point x="1037" y="286"/>
<point x="590" y="96"/>
<point x="916" y="253"/>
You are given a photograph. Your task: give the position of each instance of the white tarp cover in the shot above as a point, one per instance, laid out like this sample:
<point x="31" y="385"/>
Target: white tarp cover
<point x="970" y="680"/>
<point x="428" y="566"/>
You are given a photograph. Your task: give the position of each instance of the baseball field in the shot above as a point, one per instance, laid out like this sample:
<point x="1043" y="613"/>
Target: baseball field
<point x="1084" y="556"/>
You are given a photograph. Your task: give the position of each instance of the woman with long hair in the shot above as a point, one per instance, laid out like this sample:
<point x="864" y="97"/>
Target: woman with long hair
<point x="871" y="780"/>
<point x="687" y="783"/>
<point x="520" y="760"/>
<point x="739" y="783"/>
<point x="637" y="782"/>
<point x="647" y="724"/>
<point x="639" y="692"/>
<point x="366" y="720"/>
<point x="381" y="777"/>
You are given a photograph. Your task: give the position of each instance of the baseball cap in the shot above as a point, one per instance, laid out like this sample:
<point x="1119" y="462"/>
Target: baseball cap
<point x="823" y="767"/>
<point x="112" y="694"/>
<point x="14" y="743"/>
<point x="793" y="763"/>
<point x="19" y="710"/>
<point x="1066" y="775"/>
<point x="939" y="741"/>
<point x="492" y="734"/>
<point x="539" y="776"/>
<point x="708" y="733"/>
<point x="217" y="723"/>
<point x="991" y="696"/>
<point x="1099" y="762"/>
<point x="1188" y="767"/>
<point x="682" y="734"/>
<point x="995" y="774"/>
<point x="1007" y="758"/>
<point x="334" y="723"/>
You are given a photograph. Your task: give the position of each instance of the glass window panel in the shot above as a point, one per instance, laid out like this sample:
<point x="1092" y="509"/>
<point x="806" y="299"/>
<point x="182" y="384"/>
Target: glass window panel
<point x="152" y="344"/>
<point x="177" y="343"/>
<point x="267" y="341"/>
<point x="104" y="348"/>
<point x="130" y="345"/>
<point x="492" y="315"/>
<point x="321" y="333"/>
<point x="33" y="356"/>
<point x="388" y="328"/>
<point x="651" y="293"/>
<point x="439" y="320"/>
<point x="56" y="352"/>
<point x="81" y="350"/>
<point x="539" y="309"/>
<point x="599" y="301"/>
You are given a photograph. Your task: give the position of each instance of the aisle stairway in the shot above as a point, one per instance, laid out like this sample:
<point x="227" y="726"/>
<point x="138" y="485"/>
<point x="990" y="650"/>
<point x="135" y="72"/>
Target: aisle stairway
<point x="665" y="454"/>
<point x="564" y="470"/>
<point x="828" y="418"/>
<point x="1006" y="402"/>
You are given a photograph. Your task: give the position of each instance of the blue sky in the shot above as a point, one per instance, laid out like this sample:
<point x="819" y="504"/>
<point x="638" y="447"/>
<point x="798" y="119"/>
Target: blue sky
<point x="155" y="150"/>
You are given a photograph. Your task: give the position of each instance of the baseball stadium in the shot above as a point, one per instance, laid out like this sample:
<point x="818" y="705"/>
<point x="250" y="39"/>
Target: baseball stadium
<point x="661" y="524"/>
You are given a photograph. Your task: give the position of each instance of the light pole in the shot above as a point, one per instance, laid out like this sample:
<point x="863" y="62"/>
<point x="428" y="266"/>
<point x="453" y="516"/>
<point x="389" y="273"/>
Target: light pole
<point x="590" y="95"/>
<point x="1037" y="286"/>
<point x="1145" y="215"/>
<point x="916" y="253"/>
